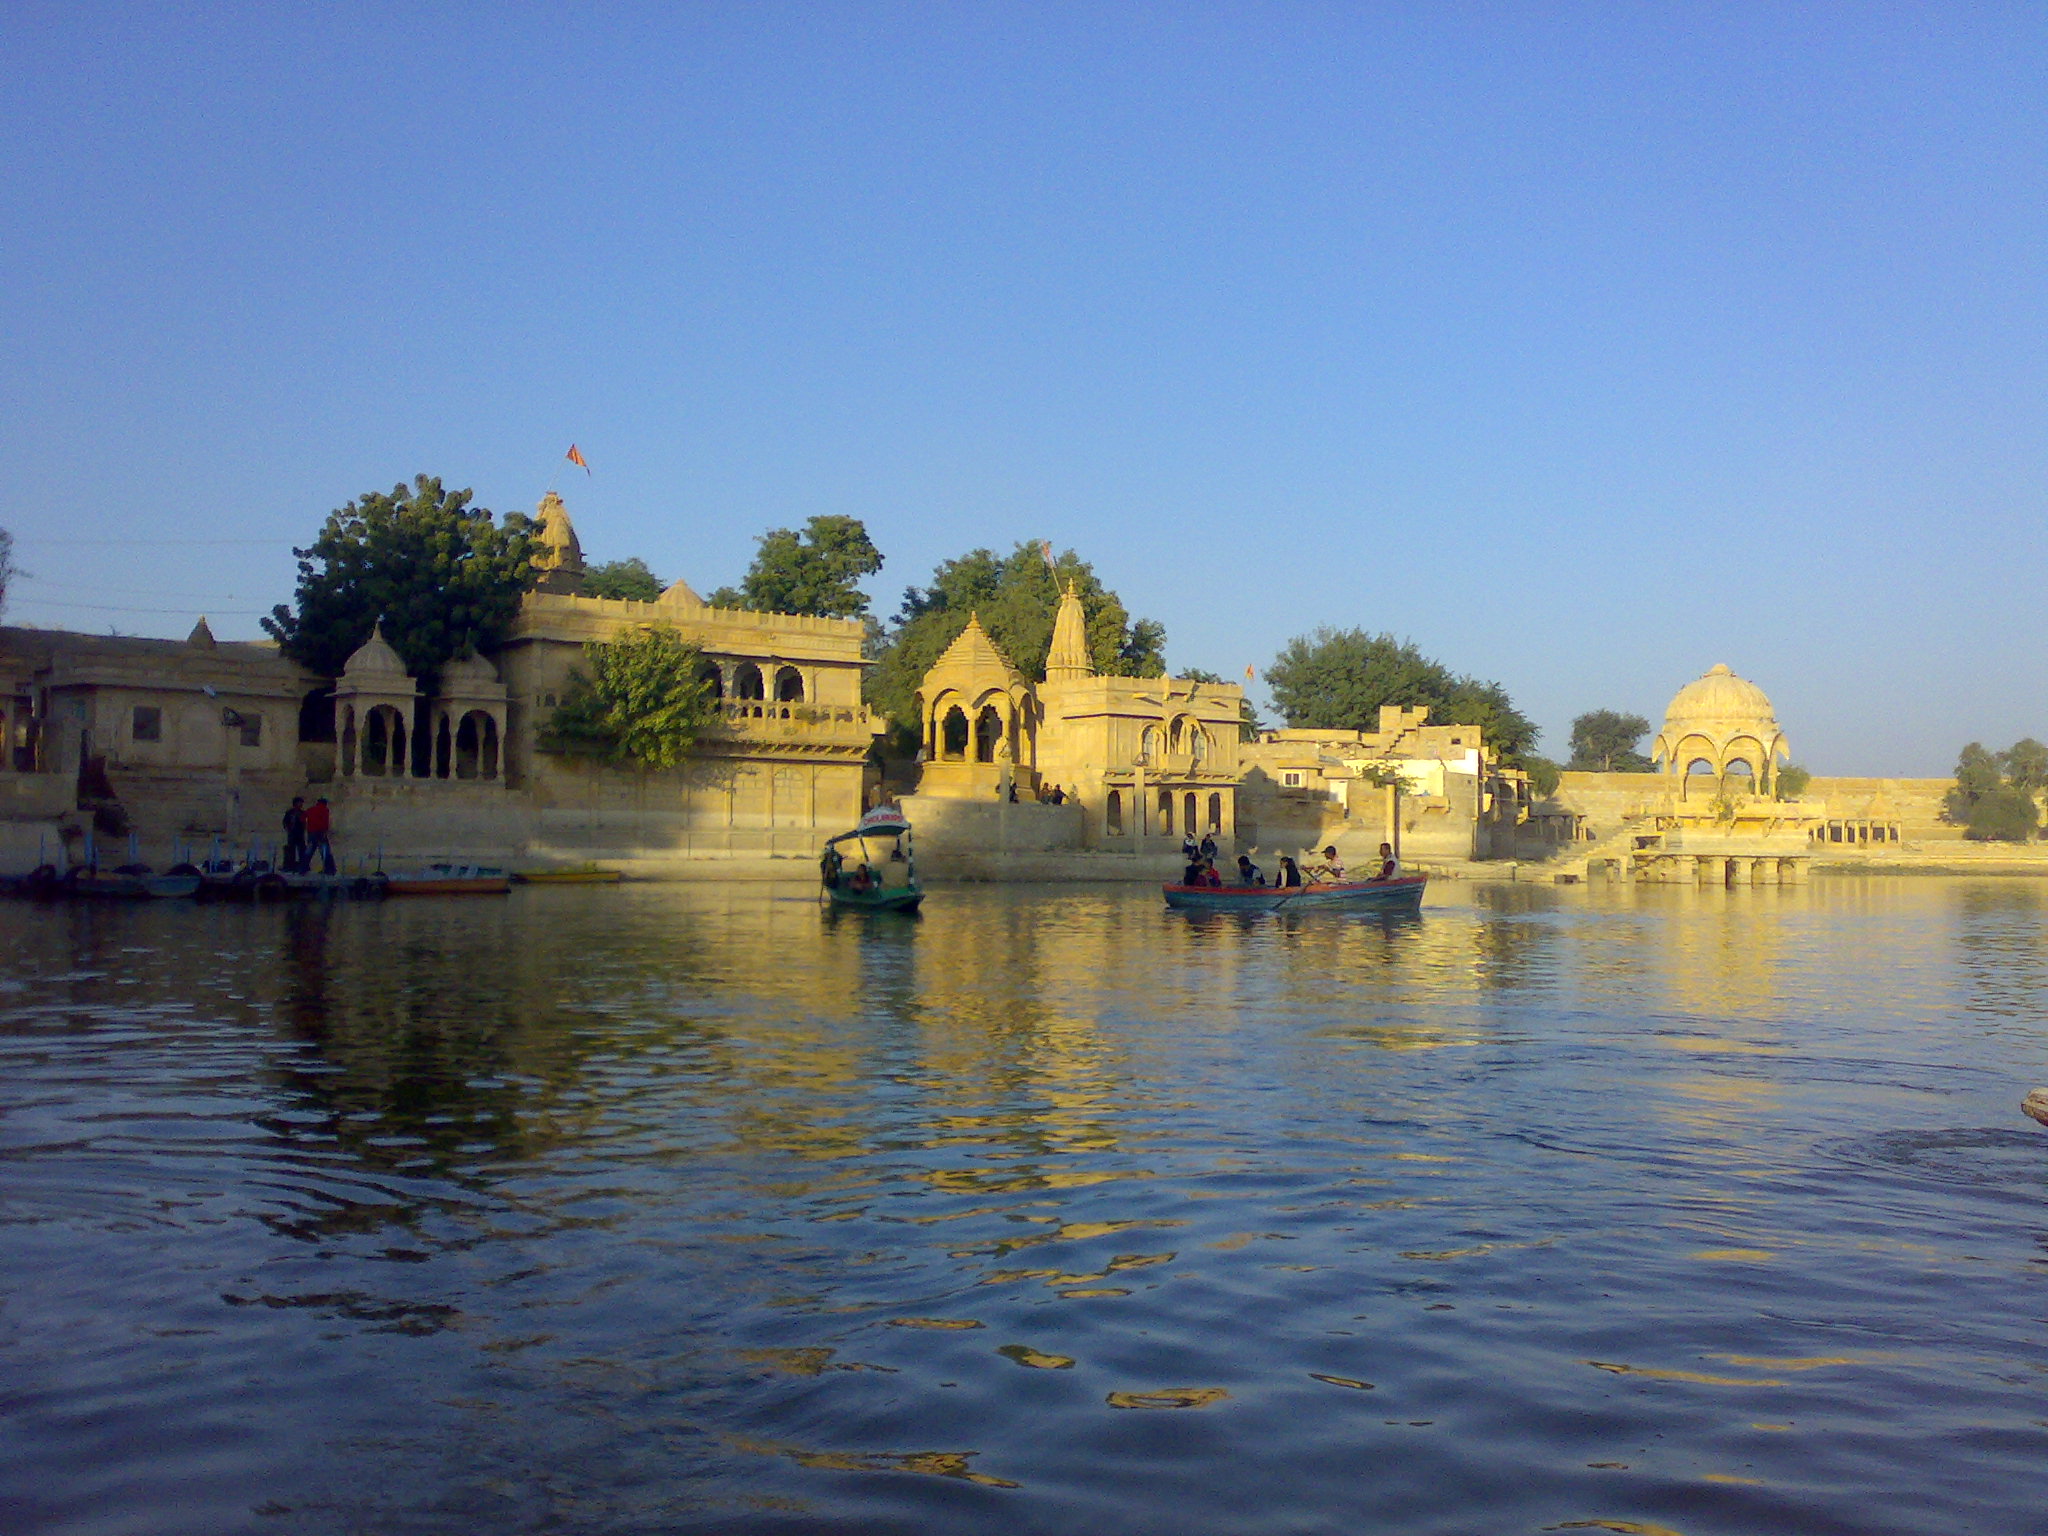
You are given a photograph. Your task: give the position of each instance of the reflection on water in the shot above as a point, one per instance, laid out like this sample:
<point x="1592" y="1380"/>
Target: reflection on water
<point x="682" y="1208"/>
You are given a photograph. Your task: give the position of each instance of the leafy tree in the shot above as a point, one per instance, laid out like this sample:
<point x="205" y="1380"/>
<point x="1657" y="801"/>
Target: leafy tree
<point x="641" y="701"/>
<point x="1792" y="781"/>
<point x="1544" y="775"/>
<point x="2006" y="815"/>
<point x="812" y="572"/>
<point x="2026" y="765"/>
<point x="1338" y="679"/>
<point x="1977" y="775"/>
<point x="1018" y="597"/>
<point x="630" y="579"/>
<point x="442" y="575"/>
<point x="1604" y="741"/>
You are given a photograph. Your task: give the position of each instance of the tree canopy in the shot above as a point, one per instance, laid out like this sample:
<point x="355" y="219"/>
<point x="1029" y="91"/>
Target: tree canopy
<point x="1604" y="741"/>
<point x="1018" y="597"/>
<point x="638" y="701"/>
<point x="814" y="572"/>
<point x="1993" y="796"/>
<point x="630" y="579"/>
<point x="1338" y="679"/>
<point x="443" y="576"/>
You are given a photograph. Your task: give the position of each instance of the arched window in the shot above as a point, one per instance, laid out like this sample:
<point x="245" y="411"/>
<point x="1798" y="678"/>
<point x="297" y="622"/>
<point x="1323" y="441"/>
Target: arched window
<point x="1176" y="734"/>
<point x="1148" y="744"/>
<point x="1198" y="742"/>
<point x="470" y="733"/>
<point x="746" y="682"/>
<point x="789" y="686"/>
<point x="1166" y="813"/>
<point x="1215" y="813"/>
<point x="1188" y="805"/>
<point x="988" y="730"/>
<point x="953" y="735"/>
<point x="316" y="714"/>
<point x="1113" y="812"/>
<point x="714" y="679"/>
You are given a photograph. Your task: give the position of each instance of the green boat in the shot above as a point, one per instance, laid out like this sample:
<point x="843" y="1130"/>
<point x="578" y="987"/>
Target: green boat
<point x="873" y="867"/>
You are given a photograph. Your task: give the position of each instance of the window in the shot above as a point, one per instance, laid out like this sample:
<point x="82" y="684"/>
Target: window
<point x="149" y="723"/>
<point x="252" y="730"/>
<point x="1290" y="779"/>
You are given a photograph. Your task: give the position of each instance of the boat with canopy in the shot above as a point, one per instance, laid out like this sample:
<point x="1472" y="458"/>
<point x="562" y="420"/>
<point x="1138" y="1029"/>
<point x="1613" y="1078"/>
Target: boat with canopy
<point x="874" y="866"/>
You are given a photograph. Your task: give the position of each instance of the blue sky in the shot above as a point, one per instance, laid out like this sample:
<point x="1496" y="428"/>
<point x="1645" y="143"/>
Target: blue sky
<point x="1585" y="346"/>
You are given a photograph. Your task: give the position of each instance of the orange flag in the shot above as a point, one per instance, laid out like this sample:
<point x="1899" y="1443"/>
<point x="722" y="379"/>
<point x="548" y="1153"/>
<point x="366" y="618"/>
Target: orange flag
<point x="1250" y="673"/>
<point x="577" y="459"/>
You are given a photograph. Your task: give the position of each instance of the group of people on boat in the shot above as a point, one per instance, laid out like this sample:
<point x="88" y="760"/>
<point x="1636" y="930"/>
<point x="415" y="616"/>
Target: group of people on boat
<point x="864" y="876"/>
<point x="1202" y="870"/>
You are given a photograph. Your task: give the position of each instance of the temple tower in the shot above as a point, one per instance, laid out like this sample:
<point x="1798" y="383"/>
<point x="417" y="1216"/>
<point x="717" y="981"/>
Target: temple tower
<point x="1068" y="661"/>
<point x="560" y="557"/>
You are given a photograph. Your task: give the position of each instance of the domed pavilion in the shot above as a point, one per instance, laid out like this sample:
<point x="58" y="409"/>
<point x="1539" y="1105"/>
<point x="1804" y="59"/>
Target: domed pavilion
<point x="1720" y="725"/>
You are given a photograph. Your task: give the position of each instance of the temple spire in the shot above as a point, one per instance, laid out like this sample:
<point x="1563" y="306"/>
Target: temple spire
<point x="560" y="556"/>
<point x="1068" y="660"/>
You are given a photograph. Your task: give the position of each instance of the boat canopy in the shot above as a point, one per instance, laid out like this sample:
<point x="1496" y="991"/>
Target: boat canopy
<point x="882" y="821"/>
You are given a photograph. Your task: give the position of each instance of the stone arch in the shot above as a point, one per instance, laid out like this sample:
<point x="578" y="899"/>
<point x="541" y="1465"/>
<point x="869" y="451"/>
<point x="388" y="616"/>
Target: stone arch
<point x="1177" y="734"/>
<point x="1198" y="742"/>
<point x="988" y="731"/>
<point x="1166" y="813"/>
<point x="789" y="686"/>
<point x="1113" y="813"/>
<point x="746" y="682"/>
<point x="1190" y="815"/>
<point x="713" y="676"/>
<point x="476" y="745"/>
<point x="383" y="745"/>
<point x="1148" y="744"/>
<point x="1216" y="812"/>
<point x="953" y="733"/>
<point x="316" y="714"/>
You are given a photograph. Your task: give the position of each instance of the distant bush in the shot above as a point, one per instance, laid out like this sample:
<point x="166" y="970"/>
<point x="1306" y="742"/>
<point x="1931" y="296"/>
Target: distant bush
<point x="1543" y="776"/>
<point x="2003" y="815"/>
<point x="1792" y="781"/>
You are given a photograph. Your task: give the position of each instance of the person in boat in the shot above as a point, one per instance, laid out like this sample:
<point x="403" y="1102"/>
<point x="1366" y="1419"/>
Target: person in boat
<point x="1211" y="877"/>
<point x="1289" y="873"/>
<point x="1193" y="874"/>
<point x="829" y="865"/>
<point x="1390" y="867"/>
<point x="1249" y="873"/>
<point x="1331" y="870"/>
<point x="863" y="879"/>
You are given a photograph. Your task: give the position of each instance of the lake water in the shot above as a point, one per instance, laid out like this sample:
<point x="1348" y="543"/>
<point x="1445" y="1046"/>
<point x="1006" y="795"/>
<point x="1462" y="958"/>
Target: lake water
<point x="681" y="1208"/>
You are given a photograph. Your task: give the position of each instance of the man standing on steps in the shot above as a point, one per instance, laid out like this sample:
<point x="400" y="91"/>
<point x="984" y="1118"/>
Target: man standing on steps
<point x="319" y="827"/>
<point x="295" y="836"/>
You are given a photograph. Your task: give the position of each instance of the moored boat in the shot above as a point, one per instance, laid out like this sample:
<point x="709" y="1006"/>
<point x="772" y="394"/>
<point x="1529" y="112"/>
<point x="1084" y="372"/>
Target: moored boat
<point x="873" y="867"/>
<point x="448" y="880"/>
<point x="585" y="874"/>
<point x="1401" y="894"/>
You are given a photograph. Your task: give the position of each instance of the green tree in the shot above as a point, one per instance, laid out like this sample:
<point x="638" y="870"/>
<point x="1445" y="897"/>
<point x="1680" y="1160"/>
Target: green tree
<point x="2026" y="765"/>
<point x="2005" y="815"/>
<point x="1977" y="775"/>
<point x="444" y="578"/>
<point x="1018" y="597"/>
<point x="629" y="579"/>
<point x="814" y="572"/>
<point x="639" y="701"/>
<point x="1338" y="679"/>
<point x="1544" y="775"/>
<point x="1604" y="741"/>
<point x="1792" y="781"/>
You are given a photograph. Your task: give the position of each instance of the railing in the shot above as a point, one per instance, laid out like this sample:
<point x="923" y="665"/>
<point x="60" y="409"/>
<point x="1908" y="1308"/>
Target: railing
<point x="747" y="714"/>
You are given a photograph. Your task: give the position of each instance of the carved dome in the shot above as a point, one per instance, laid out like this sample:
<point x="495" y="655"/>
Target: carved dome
<point x="1725" y="722"/>
<point x="472" y="670"/>
<point x="375" y="658"/>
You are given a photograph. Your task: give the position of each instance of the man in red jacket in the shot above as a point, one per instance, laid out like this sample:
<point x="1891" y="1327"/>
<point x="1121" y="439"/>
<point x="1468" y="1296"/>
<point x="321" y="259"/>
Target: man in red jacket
<point x="319" y="826"/>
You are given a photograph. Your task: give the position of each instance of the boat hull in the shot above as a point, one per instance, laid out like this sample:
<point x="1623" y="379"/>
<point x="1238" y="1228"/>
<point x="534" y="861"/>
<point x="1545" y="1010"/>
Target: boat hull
<point x="901" y="899"/>
<point x="1401" y="895"/>
<point x="449" y="880"/>
<point x="567" y="876"/>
